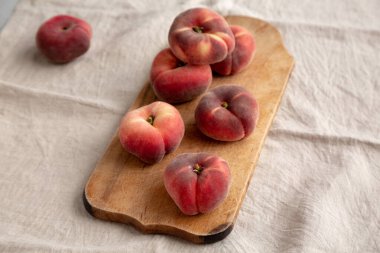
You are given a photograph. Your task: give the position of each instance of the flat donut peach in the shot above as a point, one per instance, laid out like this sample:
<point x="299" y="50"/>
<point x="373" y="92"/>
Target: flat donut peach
<point x="201" y="36"/>
<point x="227" y="113"/>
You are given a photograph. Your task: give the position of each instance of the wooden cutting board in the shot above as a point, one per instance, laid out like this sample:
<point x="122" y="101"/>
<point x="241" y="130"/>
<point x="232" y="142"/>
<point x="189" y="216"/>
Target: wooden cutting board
<point x="123" y="189"/>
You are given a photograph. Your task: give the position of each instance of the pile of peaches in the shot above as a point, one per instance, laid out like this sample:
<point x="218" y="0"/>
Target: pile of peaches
<point x="201" y="43"/>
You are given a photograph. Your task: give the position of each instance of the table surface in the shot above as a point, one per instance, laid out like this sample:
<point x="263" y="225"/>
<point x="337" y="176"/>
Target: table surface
<point x="6" y="9"/>
<point x="316" y="185"/>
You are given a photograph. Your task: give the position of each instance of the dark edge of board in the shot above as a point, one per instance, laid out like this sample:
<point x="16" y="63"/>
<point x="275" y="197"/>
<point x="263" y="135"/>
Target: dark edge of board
<point x="221" y="232"/>
<point x="87" y="205"/>
<point x="219" y="235"/>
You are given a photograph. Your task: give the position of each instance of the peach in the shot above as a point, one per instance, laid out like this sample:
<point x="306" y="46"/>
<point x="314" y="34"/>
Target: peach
<point x="197" y="182"/>
<point x="63" y="38"/>
<point x="241" y="57"/>
<point x="201" y="36"/>
<point x="174" y="81"/>
<point x="151" y="131"/>
<point x="227" y="113"/>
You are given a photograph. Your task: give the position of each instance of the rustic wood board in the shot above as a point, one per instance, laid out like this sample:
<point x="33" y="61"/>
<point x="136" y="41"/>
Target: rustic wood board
<point x="123" y="189"/>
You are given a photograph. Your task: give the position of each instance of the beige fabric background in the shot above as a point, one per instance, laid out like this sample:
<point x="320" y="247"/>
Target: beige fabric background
<point x="316" y="187"/>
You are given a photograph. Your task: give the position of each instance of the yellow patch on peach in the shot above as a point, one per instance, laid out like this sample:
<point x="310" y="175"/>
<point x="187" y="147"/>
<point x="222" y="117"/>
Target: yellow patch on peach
<point x="183" y="29"/>
<point x="239" y="34"/>
<point x="222" y="35"/>
<point x="213" y="111"/>
<point x="137" y="121"/>
<point x="209" y="19"/>
<point x="179" y="52"/>
<point x="204" y="47"/>
<point x="216" y="37"/>
<point x="237" y="96"/>
<point x="164" y="115"/>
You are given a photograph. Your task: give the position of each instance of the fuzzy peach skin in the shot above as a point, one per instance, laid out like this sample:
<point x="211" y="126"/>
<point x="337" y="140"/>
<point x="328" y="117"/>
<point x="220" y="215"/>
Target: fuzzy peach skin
<point x="197" y="182"/>
<point x="241" y="57"/>
<point x="151" y="131"/>
<point x="201" y="36"/>
<point x="176" y="82"/>
<point x="63" y="38"/>
<point x="227" y="113"/>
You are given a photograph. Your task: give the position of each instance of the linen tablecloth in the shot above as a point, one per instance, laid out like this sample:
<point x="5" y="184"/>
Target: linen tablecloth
<point x="316" y="187"/>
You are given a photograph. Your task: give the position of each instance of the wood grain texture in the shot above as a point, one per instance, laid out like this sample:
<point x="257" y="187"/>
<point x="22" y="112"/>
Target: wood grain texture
<point x="123" y="189"/>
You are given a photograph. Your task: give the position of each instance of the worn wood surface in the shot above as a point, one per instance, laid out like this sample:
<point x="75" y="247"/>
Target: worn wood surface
<point x="123" y="189"/>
